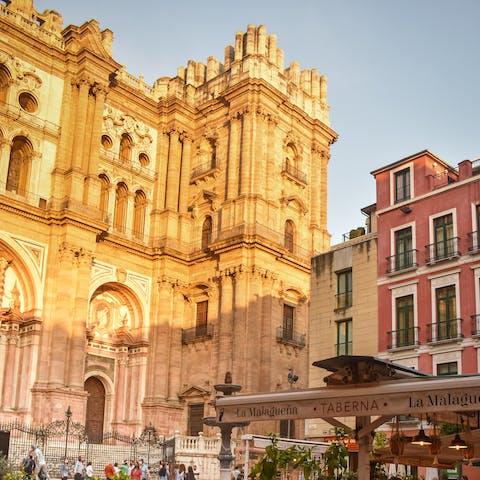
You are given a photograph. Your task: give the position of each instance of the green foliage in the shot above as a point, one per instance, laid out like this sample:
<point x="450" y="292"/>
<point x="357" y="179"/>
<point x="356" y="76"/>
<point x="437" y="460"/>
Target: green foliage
<point x="449" y="428"/>
<point x="380" y="440"/>
<point x="14" y="476"/>
<point x="8" y="471"/>
<point x="275" y="460"/>
<point x="121" y="476"/>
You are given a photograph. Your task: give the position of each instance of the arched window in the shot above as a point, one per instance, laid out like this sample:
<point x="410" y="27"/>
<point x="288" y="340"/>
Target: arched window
<point x="289" y="235"/>
<point x="207" y="232"/>
<point x="19" y="165"/>
<point x="290" y="157"/>
<point x="125" y="148"/>
<point x="139" y="210"/>
<point x="104" y="188"/>
<point x="4" y="83"/>
<point x="121" y="204"/>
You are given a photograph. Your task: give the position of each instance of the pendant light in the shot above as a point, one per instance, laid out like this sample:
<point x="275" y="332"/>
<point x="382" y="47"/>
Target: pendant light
<point x="421" y="438"/>
<point x="458" y="443"/>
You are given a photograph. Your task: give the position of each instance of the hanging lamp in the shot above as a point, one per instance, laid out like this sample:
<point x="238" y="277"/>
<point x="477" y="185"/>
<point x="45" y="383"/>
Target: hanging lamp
<point x="421" y="438"/>
<point x="458" y="443"/>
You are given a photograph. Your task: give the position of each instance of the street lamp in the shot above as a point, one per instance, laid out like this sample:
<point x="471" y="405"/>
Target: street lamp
<point x="68" y="415"/>
<point x="292" y="378"/>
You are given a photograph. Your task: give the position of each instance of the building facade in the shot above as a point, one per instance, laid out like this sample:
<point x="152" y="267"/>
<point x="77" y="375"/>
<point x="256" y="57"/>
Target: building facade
<point x="429" y="264"/>
<point x="343" y="311"/>
<point x="152" y="238"/>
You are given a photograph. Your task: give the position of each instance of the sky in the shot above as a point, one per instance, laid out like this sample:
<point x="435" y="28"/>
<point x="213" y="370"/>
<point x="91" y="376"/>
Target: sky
<point x="403" y="75"/>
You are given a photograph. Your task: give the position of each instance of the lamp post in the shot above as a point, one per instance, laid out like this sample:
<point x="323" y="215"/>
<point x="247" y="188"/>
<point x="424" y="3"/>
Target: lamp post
<point x="68" y="415"/>
<point x="225" y="456"/>
<point x="292" y="378"/>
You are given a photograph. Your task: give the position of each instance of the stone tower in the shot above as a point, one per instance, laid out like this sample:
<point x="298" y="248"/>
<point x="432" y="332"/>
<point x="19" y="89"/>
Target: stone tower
<point x="152" y="238"/>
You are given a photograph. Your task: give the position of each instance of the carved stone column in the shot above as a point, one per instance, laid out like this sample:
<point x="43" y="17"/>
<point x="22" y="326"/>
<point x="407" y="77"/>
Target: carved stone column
<point x="83" y="85"/>
<point x="247" y="154"/>
<point x="10" y="370"/>
<point x="185" y="172"/>
<point x="175" y="353"/>
<point x="5" y="147"/>
<point x="173" y="173"/>
<point x="120" y="389"/>
<point x="233" y="156"/>
<point x="225" y="324"/>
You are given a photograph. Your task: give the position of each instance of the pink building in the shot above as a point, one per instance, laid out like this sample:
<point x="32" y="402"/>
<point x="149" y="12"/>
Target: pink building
<point x="428" y="216"/>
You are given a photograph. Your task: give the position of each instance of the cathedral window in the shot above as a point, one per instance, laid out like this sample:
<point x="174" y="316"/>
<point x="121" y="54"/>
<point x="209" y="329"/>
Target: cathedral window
<point x="28" y="102"/>
<point x="106" y="142"/>
<point x="139" y="210"/>
<point x="143" y="160"/>
<point x="19" y="166"/>
<point x="289" y="235"/>
<point x="207" y="232"/>
<point x="104" y="195"/>
<point x="5" y="79"/>
<point x="121" y="204"/>
<point x="125" y="148"/>
<point x="202" y="318"/>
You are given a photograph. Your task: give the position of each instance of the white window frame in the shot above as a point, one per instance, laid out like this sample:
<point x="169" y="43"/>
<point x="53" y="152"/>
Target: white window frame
<point x="397" y="228"/>
<point x="403" y="291"/>
<point x="431" y="220"/>
<point x="404" y="166"/>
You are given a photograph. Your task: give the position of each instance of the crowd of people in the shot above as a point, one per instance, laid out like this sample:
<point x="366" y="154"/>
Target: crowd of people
<point x="34" y="466"/>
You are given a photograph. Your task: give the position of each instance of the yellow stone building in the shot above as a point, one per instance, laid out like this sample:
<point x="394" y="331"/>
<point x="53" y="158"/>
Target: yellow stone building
<point x="152" y="237"/>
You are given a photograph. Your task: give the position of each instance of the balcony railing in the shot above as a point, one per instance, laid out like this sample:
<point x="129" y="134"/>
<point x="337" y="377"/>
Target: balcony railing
<point x="473" y="242"/>
<point x="402" y="338"/>
<point x="445" y="250"/>
<point x="445" y="330"/>
<point x="294" y="173"/>
<point x="127" y="164"/>
<point x="291" y="337"/>
<point x="197" y="334"/>
<point x="344" y="300"/>
<point x="475" y="325"/>
<point x="203" y="169"/>
<point x="345" y="348"/>
<point x="403" y="261"/>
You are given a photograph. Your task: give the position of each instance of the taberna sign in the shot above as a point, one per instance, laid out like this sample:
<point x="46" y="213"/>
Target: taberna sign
<point x="390" y="398"/>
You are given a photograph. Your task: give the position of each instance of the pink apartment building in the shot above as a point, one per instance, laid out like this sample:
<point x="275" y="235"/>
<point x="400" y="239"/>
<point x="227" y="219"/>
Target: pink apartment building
<point x="428" y="216"/>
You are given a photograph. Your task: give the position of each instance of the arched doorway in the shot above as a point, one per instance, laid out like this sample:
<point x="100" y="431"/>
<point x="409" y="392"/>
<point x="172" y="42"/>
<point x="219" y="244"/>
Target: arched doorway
<point x="95" y="409"/>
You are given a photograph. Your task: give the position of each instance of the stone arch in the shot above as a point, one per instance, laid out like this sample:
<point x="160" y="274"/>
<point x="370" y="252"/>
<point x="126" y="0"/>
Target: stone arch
<point x="207" y="231"/>
<point x="95" y="409"/>
<point x="121" y="207"/>
<point x="19" y="165"/>
<point x="115" y="311"/>
<point x="5" y="82"/>
<point x="289" y="235"/>
<point x="126" y="147"/>
<point x="21" y="275"/>
<point x="104" y="194"/>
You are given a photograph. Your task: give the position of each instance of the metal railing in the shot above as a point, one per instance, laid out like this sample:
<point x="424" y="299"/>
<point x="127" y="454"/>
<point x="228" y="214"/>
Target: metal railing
<point x="294" y="173"/>
<point x="291" y="337"/>
<point x="473" y="242"/>
<point x="203" y="169"/>
<point x="404" y="337"/>
<point x="197" y="334"/>
<point x="475" y="325"/>
<point x="344" y="300"/>
<point x="344" y="348"/>
<point x="402" y="261"/>
<point x="127" y="164"/>
<point x="444" y="330"/>
<point x="443" y="250"/>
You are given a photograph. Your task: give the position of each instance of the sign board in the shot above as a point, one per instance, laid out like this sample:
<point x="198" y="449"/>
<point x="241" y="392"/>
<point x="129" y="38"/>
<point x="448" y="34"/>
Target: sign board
<point x="456" y="394"/>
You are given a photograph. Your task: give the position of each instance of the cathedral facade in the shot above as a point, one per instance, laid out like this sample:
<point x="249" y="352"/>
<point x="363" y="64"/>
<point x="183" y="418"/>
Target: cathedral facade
<point x="152" y="237"/>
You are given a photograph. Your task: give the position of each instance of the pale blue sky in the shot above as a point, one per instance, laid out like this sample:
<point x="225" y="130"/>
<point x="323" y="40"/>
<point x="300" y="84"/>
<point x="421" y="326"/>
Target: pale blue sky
<point x="403" y="75"/>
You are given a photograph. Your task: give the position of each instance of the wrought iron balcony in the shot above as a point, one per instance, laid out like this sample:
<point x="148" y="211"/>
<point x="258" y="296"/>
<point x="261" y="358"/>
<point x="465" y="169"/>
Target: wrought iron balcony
<point x="197" y="334"/>
<point x="294" y="173"/>
<point x="444" y="250"/>
<point x="473" y="242"/>
<point x="205" y="168"/>
<point x="345" y="348"/>
<point x="446" y="330"/>
<point x="403" y="261"/>
<point x="475" y="325"/>
<point x="291" y="337"/>
<point x="402" y="338"/>
<point x="344" y="300"/>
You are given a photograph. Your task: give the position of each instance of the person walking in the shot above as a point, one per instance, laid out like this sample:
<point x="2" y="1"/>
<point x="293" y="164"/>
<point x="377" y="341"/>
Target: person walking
<point x="163" y="472"/>
<point x="89" y="471"/>
<point x="78" y="469"/>
<point x="109" y="471"/>
<point x="144" y="469"/>
<point x="29" y="466"/>
<point x="190" y="473"/>
<point x="136" y="473"/>
<point x="64" y="470"/>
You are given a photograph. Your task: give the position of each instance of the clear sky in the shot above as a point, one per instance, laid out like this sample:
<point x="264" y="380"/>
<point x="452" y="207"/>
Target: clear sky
<point x="404" y="75"/>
